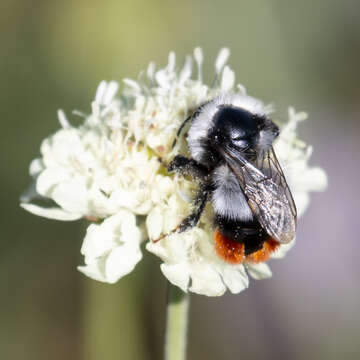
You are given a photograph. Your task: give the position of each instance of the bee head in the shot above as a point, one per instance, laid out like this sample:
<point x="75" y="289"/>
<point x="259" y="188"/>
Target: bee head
<point x="243" y="130"/>
<point x="235" y="120"/>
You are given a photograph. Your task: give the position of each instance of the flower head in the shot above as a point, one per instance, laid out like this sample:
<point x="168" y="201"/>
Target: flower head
<point x="112" y="169"/>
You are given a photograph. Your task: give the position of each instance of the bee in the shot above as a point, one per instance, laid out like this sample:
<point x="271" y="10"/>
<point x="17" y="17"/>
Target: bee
<point x="231" y="155"/>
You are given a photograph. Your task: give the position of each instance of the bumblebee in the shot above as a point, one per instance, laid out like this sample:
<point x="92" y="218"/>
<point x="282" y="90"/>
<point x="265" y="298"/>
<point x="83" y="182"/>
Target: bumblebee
<point x="231" y="155"/>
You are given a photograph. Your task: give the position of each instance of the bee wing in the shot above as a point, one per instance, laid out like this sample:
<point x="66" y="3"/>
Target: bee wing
<point x="267" y="192"/>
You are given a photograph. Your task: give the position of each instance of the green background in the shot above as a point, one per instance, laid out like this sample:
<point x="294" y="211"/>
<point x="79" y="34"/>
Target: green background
<point x="304" y="53"/>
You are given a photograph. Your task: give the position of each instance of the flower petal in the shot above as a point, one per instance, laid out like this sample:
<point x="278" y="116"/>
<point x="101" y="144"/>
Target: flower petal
<point x="97" y="242"/>
<point x="235" y="279"/>
<point x="115" y="245"/>
<point x="121" y="261"/>
<point x="36" y="167"/>
<point x="72" y="196"/>
<point x="50" y="177"/>
<point x="155" y="223"/>
<point x="50" y="213"/>
<point x="259" y="271"/>
<point x="177" y="274"/>
<point x="206" y="281"/>
<point x="158" y="250"/>
<point x="94" y="270"/>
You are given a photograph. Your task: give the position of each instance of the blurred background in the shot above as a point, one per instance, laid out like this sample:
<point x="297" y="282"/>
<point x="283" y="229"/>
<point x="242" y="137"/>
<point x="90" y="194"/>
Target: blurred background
<point x="304" y="53"/>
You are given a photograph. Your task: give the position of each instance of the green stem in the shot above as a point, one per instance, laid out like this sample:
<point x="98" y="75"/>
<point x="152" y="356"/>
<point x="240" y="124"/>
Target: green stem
<point x="176" y="323"/>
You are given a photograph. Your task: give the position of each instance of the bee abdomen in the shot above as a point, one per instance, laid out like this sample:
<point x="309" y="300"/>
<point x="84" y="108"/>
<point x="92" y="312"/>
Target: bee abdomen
<point x="236" y="241"/>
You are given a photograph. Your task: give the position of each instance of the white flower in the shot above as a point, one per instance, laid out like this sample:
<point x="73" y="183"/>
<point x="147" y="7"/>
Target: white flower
<point x="112" y="169"/>
<point x="112" y="249"/>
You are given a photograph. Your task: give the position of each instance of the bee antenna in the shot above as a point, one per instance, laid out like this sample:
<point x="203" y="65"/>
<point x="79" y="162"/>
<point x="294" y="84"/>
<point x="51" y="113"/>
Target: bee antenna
<point x="180" y="130"/>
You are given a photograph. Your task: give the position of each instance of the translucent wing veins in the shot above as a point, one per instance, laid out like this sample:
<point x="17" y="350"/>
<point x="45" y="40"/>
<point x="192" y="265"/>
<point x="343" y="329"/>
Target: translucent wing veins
<point x="267" y="192"/>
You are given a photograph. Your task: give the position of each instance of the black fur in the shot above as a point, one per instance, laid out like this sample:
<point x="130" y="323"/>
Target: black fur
<point x="240" y="129"/>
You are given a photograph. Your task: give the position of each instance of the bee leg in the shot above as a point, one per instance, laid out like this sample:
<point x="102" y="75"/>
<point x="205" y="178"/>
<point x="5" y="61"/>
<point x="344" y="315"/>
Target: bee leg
<point x="180" y="130"/>
<point x="187" y="166"/>
<point x="200" y="202"/>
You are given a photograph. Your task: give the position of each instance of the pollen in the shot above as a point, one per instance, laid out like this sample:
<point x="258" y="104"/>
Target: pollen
<point x="264" y="253"/>
<point x="229" y="250"/>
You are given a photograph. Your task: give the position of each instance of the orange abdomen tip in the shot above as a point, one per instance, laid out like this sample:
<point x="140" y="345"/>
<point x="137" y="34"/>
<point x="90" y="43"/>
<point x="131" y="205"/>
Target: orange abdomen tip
<point x="229" y="250"/>
<point x="263" y="254"/>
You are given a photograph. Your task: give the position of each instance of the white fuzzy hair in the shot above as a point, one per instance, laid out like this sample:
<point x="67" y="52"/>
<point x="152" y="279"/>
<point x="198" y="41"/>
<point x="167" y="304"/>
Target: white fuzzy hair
<point x="203" y="122"/>
<point x="228" y="199"/>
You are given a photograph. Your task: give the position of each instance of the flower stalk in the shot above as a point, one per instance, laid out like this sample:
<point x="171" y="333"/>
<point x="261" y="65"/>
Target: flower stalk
<point x="176" y="323"/>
